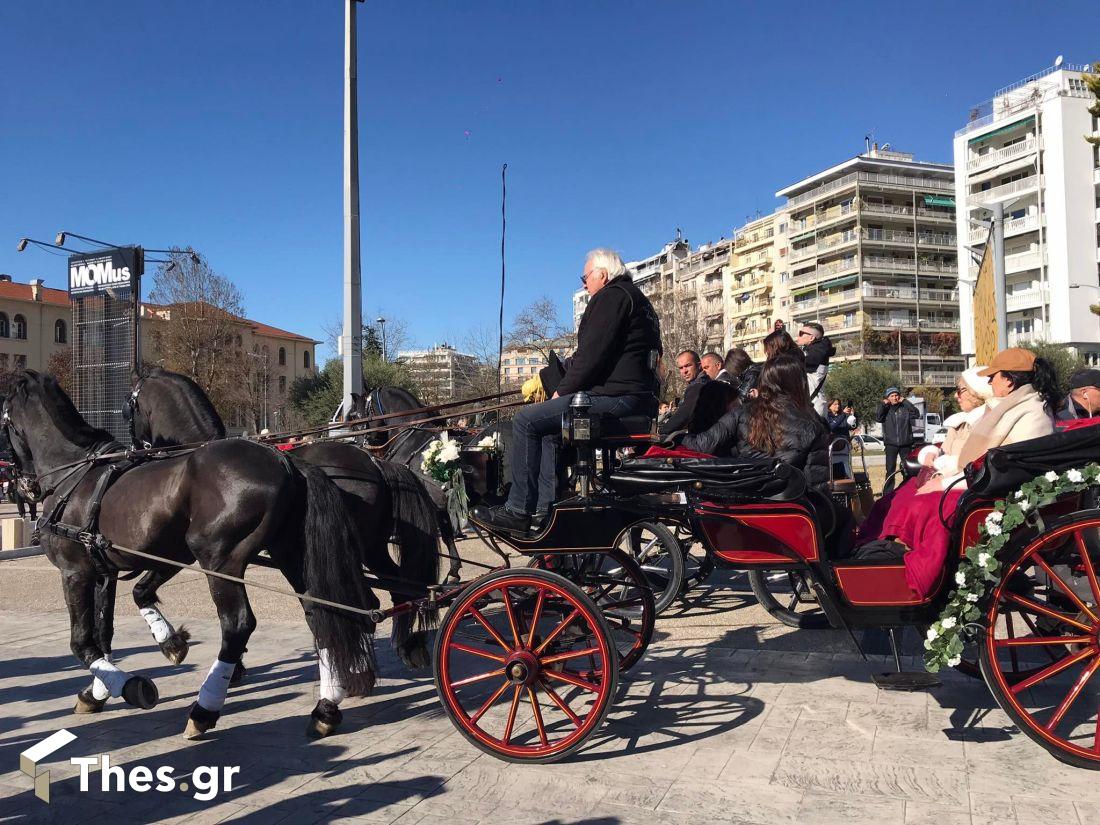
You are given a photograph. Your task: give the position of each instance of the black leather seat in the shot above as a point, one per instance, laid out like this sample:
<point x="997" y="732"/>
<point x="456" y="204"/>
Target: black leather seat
<point x="746" y="478"/>
<point x="626" y="426"/>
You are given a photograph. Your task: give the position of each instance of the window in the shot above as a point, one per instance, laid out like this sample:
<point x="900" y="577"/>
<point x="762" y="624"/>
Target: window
<point x="282" y="356"/>
<point x="507" y="360"/>
<point x="19" y="327"/>
<point x="20" y="362"/>
<point x="60" y="333"/>
<point x="305" y="359"/>
<point x="507" y="370"/>
<point x="5" y="330"/>
<point x="282" y="385"/>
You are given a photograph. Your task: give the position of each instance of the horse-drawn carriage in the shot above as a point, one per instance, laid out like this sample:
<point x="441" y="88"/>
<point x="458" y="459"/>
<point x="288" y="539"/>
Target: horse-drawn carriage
<point x="527" y="660"/>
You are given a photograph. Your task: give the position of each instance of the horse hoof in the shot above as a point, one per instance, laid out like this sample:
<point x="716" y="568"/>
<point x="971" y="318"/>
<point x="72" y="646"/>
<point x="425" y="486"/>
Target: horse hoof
<point x="324" y="720"/>
<point x="140" y="692"/>
<point x="175" y="647"/>
<point x="239" y="672"/>
<point x="199" y="721"/>
<point x="87" y="703"/>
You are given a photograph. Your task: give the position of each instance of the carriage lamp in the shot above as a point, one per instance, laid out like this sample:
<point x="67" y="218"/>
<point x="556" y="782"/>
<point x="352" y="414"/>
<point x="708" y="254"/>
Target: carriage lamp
<point x="579" y="430"/>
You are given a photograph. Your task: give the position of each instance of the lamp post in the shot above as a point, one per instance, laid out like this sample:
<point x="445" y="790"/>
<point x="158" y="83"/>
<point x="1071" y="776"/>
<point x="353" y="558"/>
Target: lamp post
<point x="382" y="323"/>
<point x="352" y="339"/>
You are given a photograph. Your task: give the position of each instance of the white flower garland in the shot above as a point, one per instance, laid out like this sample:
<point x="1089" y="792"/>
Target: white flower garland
<point x="981" y="568"/>
<point x="441" y="460"/>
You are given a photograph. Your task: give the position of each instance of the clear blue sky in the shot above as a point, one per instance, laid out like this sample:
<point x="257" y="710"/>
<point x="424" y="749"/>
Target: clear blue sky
<point x="218" y="124"/>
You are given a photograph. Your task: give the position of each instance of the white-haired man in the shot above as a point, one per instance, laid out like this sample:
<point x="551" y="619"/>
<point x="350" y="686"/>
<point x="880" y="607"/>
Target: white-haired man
<point x="618" y="343"/>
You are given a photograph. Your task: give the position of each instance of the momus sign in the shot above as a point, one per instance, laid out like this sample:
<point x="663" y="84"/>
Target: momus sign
<point x="115" y="269"/>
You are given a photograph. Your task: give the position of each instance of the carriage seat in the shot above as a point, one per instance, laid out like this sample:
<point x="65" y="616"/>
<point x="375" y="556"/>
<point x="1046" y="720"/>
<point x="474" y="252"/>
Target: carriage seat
<point x="740" y="477"/>
<point x="627" y="427"/>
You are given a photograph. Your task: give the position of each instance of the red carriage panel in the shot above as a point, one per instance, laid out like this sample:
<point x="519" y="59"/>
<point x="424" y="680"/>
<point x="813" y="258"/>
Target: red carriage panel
<point x="756" y="534"/>
<point x="879" y="586"/>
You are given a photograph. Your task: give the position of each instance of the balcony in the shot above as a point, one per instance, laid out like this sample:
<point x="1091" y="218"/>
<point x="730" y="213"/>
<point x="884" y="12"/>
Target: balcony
<point x="999" y="156"/>
<point x="934" y="378"/>
<point x="948" y="296"/>
<point x="926" y="324"/>
<point x="1023" y="261"/>
<point x="1004" y="191"/>
<point x="873" y="178"/>
<point x="936" y="239"/>
<point x="1016" y="226"/>
<point x="1027" y="299"/>
<point x="888" y="236"/>
<point x="889" y="264"/>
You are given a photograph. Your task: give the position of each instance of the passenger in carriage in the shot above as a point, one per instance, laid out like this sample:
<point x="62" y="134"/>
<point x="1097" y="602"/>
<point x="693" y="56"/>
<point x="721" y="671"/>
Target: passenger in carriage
<point x="779" y="422"/>
<point x="1083" y="401"/>
<point x="972" y="391"/>
<point x="618" y="346"/>
<point x="742" y="371"/>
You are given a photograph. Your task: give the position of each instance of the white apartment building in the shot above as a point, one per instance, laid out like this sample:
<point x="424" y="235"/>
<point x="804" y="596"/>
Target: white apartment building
<point x="1026" y="149"/>
<point x="750" y="286"/>
<point x="870" y="253"/>
<point x="442" y="372"/>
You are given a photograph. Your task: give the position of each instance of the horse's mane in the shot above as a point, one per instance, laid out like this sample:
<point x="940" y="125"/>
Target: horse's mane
<point x="61" y="409"/>
<point x="197" y="400"/>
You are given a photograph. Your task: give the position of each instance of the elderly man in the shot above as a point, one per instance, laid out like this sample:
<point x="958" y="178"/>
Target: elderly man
<point x="618" y="343"/>
<point x="691" y="371"/>
<point x="1083" y="400"/>
<point x="713" y="367"/>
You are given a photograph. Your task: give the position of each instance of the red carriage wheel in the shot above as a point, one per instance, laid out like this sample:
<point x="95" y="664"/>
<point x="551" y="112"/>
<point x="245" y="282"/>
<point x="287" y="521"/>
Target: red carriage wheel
<point x="525" y="665"/>
<point x="1040" y="653"/>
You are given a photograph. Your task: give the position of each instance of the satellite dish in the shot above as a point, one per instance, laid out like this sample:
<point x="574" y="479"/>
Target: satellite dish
<point x="1058" y="61"/>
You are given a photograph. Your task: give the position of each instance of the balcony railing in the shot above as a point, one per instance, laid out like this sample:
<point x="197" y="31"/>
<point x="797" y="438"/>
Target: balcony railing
<point x="1004" y="191"/>
<point x="936" y="239"/>
<point x="1023" y="261"/>
<point x="1015" y="226"/>
<point x="1027" y="299"/>
<point x="926" y="324"/>
<point x="1001" y="155"/>
<point x="903" y="181"/>
<point x="888" y="236"/>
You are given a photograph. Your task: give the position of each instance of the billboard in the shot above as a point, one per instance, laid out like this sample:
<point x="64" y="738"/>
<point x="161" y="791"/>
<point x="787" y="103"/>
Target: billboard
<point x="105" y="293"/>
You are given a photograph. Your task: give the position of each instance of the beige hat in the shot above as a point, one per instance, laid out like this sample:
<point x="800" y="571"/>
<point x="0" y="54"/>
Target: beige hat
<point x="977" y="383"/>
<point x="1013" y="359"/>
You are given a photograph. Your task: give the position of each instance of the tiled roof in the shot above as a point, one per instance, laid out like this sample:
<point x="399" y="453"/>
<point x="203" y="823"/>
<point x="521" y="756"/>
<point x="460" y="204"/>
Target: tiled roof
<point x="22" y="292"/>
<point x="257" y="327"/>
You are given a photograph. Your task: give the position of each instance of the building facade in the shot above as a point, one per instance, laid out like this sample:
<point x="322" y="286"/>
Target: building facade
<point x="35" y="322"/>
<point x="871" y="254"/>
<point x="518" y="364"/>
<point x="442" y="372"/>
<point x="1026" y="149"/>
<point x="750" y="286"/>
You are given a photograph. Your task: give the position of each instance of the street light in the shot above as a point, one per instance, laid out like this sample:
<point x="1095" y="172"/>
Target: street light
<point x="19" y="247"/>
<point x="382" y="323"/>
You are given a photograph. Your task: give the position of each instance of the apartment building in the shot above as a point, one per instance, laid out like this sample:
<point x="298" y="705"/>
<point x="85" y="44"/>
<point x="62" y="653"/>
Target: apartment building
<point x="517" y="364"/>
<point x="750" y="286"/>
<point x="1025" y="148"/>
<point x="654" y="276"/>
<point x="699" y="298"/>
<point x="442" y="372"/>
<point x="870" y="252"/>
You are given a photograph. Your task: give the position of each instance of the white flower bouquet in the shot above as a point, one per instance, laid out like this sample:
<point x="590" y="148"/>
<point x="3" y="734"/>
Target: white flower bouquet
<point x="441" y="461"/>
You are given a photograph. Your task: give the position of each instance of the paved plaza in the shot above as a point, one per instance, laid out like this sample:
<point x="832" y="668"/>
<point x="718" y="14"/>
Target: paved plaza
<point x="730" y="718"/>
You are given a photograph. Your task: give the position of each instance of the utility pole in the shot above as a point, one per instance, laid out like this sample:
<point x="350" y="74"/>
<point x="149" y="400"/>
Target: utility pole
<point x="999" y="289"/>
<point x="351" y="342"/>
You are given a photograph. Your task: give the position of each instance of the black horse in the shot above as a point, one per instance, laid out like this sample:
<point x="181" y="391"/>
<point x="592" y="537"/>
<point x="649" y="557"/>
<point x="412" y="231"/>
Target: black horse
<point x="219" y="505"/>
<point x="167" y="409"/>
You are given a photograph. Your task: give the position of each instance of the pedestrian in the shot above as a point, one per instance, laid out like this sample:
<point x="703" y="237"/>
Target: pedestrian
<point x="779" y="325"/>
<point x="818" y="350"/>
<point x="714" y="367"/>
<point x="691" y="372"/>
<point x="896" y="415"/>
<point x="841" y="420"/>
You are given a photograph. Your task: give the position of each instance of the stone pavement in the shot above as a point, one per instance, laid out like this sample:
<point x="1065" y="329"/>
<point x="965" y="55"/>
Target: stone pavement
<point x="727" y="719"/>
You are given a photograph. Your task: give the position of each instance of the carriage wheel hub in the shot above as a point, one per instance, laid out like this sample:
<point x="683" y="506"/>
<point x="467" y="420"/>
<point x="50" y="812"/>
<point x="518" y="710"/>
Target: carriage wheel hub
<point x="522" y="668"/>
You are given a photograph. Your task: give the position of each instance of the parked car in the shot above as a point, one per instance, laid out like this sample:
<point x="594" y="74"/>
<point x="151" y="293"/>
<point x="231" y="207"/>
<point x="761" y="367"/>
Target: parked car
<point x="869" y="443"/>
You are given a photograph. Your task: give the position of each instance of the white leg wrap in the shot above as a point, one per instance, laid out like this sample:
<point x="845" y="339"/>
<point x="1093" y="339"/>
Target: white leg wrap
<point x="331" y="688"/>
<point x="158" y="625"/>
<point x="109" y="676"/>
<point x="99" y="690"/>
<point x="213" y="690"/>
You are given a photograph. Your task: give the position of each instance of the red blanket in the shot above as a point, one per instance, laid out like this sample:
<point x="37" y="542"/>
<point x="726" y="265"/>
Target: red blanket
<point x="675" y="452"/>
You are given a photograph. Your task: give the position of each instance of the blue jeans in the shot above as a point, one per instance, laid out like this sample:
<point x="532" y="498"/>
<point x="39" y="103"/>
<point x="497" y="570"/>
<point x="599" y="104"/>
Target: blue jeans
<point x="536" y="440"/>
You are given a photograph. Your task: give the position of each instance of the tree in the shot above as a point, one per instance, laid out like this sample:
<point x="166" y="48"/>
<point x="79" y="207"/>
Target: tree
<point x="1092" y="82"/>
<point x="200" y="325"/>
<point x="60" y="366"/>
<point x="483" y="343"/>
<point x="935" y="399"/>
<point x="862" y="383"/>
<point x="537" y="326"/>
<point x="397" y="336"/>
<point x="680" y="330"/>
<point x="312" y="399"/>
<point x="1065" y="363"/>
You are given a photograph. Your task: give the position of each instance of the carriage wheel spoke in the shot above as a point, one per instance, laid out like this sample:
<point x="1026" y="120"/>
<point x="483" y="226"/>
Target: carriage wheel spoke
<point x="563" y="676"/>
<point x="512" y="714"/>
<point x="535" y="616"/>
<point x="1090" y="569"/>
<point x="793" y="602"/>
<point x="1065" y="588"/>
<point x="1013" y="653"/>
<point x="481" y="711"/>
<point x="557" y="631"/>
<point x="561" y="703"/>
<point x="1035" y="607"/>
<point x="481" y="677"/>
<point x="511" y="616"/>
<point x="1027" y="641"/>
<point x="492" y="631"/>
<point x="1053" y="670"/>
<point x="477" y="651"/>
<point x="538" y="718"/>
<point x="572" y="654"/>
<point x="1073" y="693"/>
<point x="1035" y="630"/>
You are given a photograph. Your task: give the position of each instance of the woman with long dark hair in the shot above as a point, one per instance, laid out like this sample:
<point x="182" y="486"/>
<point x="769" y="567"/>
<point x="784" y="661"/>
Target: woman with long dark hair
<point x="743" y="370"/>
<point x="778" y="423"/>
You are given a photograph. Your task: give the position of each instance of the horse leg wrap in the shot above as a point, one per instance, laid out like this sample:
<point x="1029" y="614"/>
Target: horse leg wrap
<point x="158" y="625"/>
<point x="331" y="689"/>
<point x="109" y="676"/>
<point x="216" y="685"/>
<point x="99" y="690"/>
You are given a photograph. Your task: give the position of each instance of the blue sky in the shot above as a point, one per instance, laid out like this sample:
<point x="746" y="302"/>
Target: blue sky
<point x="218" y="124"/>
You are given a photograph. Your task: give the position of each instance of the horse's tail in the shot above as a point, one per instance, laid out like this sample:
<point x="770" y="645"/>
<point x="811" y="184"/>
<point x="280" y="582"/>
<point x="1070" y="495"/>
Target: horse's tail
<point x="332" y="569"/>
<point x="416" y="530"/>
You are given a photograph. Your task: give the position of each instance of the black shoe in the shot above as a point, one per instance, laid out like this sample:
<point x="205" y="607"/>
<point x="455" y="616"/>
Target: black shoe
<point x="502" y="518"/>
<point x="539" y="520"/>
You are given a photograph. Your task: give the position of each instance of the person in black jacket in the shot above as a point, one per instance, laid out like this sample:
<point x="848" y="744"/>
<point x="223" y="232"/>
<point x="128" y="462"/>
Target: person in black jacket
<point x="818" y="350"/>
<point x="896" y="415"/>
<point x="691" y="370"/>
<point x="618" y="344"/>
<point x="778" y="423"/>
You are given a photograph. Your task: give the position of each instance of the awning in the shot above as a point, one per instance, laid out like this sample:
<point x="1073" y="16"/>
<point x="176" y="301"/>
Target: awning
<point x="805" y="290"/>
<point x="801" y="235"/>
<point x="1027" y="121"/>
<point x="848" y="279"/>
<point x="938" y="200"/>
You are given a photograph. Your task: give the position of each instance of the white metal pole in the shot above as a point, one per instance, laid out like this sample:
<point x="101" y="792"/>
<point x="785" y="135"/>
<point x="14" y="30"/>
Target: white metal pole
<point x="352" y="339"/>
<point x="999" y="289"/>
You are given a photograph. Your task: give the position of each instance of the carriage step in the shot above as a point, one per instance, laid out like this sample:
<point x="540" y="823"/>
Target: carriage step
<point x="906" y="680"/>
